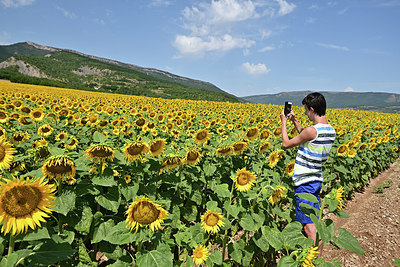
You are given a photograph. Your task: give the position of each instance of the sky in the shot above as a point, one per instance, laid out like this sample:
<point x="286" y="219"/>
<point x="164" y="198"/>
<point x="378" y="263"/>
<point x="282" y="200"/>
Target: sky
<point x="247" y="47"/>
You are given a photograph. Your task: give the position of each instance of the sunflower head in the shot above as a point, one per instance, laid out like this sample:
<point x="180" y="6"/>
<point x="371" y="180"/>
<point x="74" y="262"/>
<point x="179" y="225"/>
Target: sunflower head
<point x="100" y="153"/>
<point x="135" y="150"/>
<point x="239" y="147"/>
<point x="60" y="166"/>
<point x="172" y="162"/>
<point x="6" y="154"/>
<point x="72" y="144"/>
<point x="277" y="194"/>
<point x="200" y="255"/>
<point x="202" y="136"/>
<point x="274" y="158"/>
<point x="212" y="221"/>
<point x="19" y="137"/>
<point x="37" y="115"/>
<point x="352" y="153"/>
<point x="265" y="134"/>
<point x="342" y="150"/>
<point x="289" y="169"/>
<point x="45" y="130"/>
<point x="24" y="203"/>
<point x="192" y="157"/>
<point x="144" y="212"/>
<point x="244" y="180"/>
<point x="252" y="133"/>
<point x="157" y="146"/>
<point x="337" y="194"/>
<point x="308" y="256"/>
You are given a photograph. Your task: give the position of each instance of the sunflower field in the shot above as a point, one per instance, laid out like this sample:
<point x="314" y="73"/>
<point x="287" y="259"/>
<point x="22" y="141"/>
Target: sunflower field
<point x="95" y="179"/>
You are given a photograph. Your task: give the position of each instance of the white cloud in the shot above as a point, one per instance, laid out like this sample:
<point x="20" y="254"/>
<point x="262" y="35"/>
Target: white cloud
<point x="285" y="7"/>
<point x="159" y="3"/>
<point x="333" y="46"/>
<point x="267" y="48"/>
<point x="195" y="45"/>
<point x="16" y="3"/>
<point x="265" y="34"/>
<point x="349" y="89"/>
<point x="66" y="13"/>
<point x="310" y="21"/>
<point x="253" y="69"/>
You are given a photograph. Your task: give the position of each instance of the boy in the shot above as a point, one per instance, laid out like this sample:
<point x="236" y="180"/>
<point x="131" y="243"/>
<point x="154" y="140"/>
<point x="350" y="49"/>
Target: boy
<point x="314" y="144"/>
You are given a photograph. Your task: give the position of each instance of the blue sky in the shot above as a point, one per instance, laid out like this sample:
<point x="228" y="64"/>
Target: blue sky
<point x="243" y="47"/>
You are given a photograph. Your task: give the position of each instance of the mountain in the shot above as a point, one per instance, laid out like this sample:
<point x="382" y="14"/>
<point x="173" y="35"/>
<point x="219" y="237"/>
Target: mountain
<point x="372" y="101"/>
<point x="33" y="63"/>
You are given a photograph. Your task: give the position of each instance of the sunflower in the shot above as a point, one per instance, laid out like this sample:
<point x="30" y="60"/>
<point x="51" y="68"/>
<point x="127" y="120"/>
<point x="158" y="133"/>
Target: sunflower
<point x="172" y="162"/>
<point x="342" y="150"/>
<point x="212" y="221"/>
<point x="244" y="180"/>
<point x="135" y="150"/>
<point x="3" y="116"/>
<point x="72" y="144"/>
<point x="263" y="147"/>
<point x="372" y="146"/>
<point x="252" y="133"/>
<point x="362" y="147"/>
<point x="239" y="147"/>
<point x="60" y="166"/>
<point x="200" y="255"/>
<point x="6" y="154"/>
<point x="192" y="157"/>
<point x="289" y="169"/>
<point x="265" y="134"/>
<point x="41" y="142"/>
<point x="3" y="133"/>
<point x="156" y="147"/>
<point x="139" y="123"/>
<point x="308" y="256"/>
<point x="24" y="204"/>
<point x="395" y="149"/>
<point x="20" y="137"/>
<point x="224" y="151"/>
<point x="144" y="212"/>
<point x="25" y="120"/>
<point x="337" y="194"/>
<point x="37" y="115"/>
<point x="100" y="152"/>
<point x="128" y="178"/>
<point x="352" y="153"/>
<point x="45" y="130"/>
<point x="273" y="159"/>
<point x="277" y="132"/>
<point x="42" y="152"/>
<point x="61" y="136"/>
<point x="277" y="194"/>
<point x="202" y="136"/>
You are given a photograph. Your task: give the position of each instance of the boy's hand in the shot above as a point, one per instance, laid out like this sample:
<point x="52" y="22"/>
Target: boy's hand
<point x="283" y="116"/>
<point x="291" y="116"/>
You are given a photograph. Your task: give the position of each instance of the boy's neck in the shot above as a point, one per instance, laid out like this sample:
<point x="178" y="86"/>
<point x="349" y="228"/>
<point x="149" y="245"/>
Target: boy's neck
<point x="320" y="119"/>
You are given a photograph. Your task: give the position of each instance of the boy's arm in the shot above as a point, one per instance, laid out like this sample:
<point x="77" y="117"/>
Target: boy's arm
<point x="296" y="123"/>
<point x="305" y="135"/>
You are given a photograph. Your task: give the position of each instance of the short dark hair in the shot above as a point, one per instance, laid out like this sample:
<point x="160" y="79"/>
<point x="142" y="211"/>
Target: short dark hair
<point x="317" y="102"/>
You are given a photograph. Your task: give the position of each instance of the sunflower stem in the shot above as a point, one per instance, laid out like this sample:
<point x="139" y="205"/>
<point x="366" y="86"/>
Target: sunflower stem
<point x="224" y="244"/>
<point x="11" y="245"/>
<point x="59" y="222"/>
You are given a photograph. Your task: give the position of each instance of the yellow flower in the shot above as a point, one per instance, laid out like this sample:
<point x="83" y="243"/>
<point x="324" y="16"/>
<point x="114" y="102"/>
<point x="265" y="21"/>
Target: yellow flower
<point x="362" y="147"/>
<point x="172" y="162"/>
<point x="372" y="146"/>
<point x="202" y="136"/>
<point x="24" y="204"/>
<point x="224" y="151"/>
<point x="263" y="147"/>
<point x="352" y="153"/>
<point x="135" y="150"/>
<point x="274" y="158"/>
<point x="277" y="194"/>
<point x="3" y="116"/>
<point x="60" y="166"/>
<point x="200" y="254"/>
<point x="337" y="194"/>
<point x="61" y="136"/>
<point x="342" y="150"/>
<point x="239" y="147"/>
<point x="6" y="154"/>
<point x="309" y="256"/>
<point x="289" y="169"/>
<point x="100" y="152"/>
<point x="73" y="144"/>
<point x="244" y="180"/>
<point x="37" y="115"/>
<point x="252" y="133"/>
<point x="45" y="130"/>
<point x="156" y="147"/>
<point x="144" y="212"/>
<point x="192" y="157"/>
<point x="211" y="221"/>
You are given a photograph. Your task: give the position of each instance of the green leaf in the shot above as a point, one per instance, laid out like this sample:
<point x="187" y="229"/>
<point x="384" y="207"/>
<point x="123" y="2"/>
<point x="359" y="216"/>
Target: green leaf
<point x="341" y="214"/>
<point x="216" y="257"/>
<point x="307" y="209"/>
<point x="65" y="202"/>
<point x="348" y="241"/>
<point x="287" y="261"/>
<point x="120" y="234"/>
<point x="13" y="258"/>
<point x="212" y="205"/>
<point x="100" y="232"/>
<point x="111" y="200"/>
<point x="37" y="234"/>
<point x="320" y="262"/>
<point x="233" y="209"/>
<point x="83" y="255"/>
<point x="35" y="173"/>
<point x="129" y="191"/>
<point x="106" y="179"/>
<point x="82" y="164"/>
<point x="397" y="262"/>
<point x="55" y="151"/>
<point x="111" y="251"/>
<point x="273" y="236"/>
<point x="332" y="204"/>
<point x="99" y="137"/>
<point x="261" y="241"/>
<point x="235" y="250"/>
<point x="308" y="197"/>
<point x="51" y="252"/>
<point x="84" y="224"/>
<point x="222" y="190"/>
<point x="248" y="223"/>
<point x="161" y="257"/>
<point x="325" y="228"/>
<point x="209" y="169"/>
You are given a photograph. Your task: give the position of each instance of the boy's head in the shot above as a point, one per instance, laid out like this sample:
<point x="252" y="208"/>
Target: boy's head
<point x="317" y="102"/>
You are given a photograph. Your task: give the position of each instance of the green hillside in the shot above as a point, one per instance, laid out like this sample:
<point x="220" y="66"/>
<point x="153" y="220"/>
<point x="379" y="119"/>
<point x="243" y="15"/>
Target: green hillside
<point x="372" y="101"/>
<point x="36" y="64"/>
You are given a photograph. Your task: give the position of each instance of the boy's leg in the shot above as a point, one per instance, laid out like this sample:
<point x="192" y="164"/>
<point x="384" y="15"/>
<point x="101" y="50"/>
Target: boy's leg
<point x="311" y="232"/>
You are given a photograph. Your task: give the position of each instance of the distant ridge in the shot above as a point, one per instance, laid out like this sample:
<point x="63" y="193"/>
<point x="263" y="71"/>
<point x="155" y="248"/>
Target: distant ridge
<point x="32" y="59"/>
<point x="372" y="101"/>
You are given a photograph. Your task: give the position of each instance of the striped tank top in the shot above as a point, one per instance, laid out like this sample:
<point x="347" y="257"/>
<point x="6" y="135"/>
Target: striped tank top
<point x="312" y="154"/>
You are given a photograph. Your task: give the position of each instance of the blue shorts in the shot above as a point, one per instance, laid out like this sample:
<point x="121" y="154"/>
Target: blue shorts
<point x="312" y="188"/>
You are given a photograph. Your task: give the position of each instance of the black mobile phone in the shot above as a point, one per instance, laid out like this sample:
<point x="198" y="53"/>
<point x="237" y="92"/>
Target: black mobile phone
<point x="288" y="107"/>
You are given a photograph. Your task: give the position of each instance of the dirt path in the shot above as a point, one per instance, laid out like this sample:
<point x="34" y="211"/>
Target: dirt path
<point x="374" y="221"/>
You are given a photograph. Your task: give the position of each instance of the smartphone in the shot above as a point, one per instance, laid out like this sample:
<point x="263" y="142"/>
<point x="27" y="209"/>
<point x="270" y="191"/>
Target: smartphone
<point x="288" y="107"/>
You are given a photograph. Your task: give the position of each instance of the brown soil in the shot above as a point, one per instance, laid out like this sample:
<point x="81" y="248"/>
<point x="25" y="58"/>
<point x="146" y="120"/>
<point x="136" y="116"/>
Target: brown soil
<point x="374" y="221"/>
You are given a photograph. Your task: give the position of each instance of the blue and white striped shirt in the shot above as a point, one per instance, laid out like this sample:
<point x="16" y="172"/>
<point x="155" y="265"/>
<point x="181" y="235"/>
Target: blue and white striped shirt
<point x="312" y="154"/>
